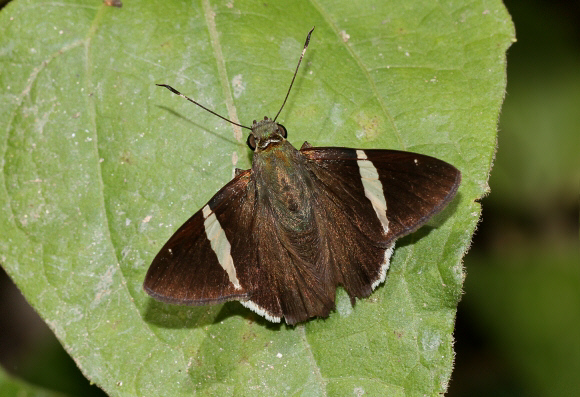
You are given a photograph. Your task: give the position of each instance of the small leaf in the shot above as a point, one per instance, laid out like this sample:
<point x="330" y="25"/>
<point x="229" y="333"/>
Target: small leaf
<point x="100" y="166"/>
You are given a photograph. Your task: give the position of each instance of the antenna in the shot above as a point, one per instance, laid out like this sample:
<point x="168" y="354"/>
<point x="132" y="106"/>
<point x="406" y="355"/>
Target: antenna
<point x="170" y="88"/>
<point x="296" y="71"/>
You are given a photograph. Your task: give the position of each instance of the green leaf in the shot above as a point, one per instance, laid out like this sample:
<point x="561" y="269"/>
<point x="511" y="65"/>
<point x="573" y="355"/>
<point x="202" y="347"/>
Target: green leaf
<point x="100" y="166"/>
<point x="12" y="387"/>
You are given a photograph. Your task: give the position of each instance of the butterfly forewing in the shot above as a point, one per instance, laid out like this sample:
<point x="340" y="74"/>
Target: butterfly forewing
<point x="415" y="186"/>
<point x="188" y="271"/>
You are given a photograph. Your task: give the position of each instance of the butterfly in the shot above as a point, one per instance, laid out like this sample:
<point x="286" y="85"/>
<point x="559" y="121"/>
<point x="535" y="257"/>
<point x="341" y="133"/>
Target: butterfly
<point x="282" y="236"/>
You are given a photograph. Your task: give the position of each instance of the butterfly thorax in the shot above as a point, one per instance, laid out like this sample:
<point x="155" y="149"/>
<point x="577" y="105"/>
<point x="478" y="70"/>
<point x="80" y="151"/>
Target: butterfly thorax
<point x="284" y="185"/>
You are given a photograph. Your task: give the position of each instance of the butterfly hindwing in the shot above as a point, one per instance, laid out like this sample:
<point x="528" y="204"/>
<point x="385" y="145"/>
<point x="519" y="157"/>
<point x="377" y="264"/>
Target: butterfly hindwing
<point x="293" y="283"/>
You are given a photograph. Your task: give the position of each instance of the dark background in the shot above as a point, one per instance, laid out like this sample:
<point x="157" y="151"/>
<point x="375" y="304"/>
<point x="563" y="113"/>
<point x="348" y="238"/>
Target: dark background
<point x="518" y="325"/>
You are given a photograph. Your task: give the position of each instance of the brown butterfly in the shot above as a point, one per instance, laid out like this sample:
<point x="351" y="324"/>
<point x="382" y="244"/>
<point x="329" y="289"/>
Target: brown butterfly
<point x="281" y="236"/>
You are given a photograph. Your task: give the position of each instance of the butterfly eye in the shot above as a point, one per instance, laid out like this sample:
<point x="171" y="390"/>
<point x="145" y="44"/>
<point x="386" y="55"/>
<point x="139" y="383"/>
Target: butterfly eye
<point x="282" y="130"/>
<point x="251" y="142"/>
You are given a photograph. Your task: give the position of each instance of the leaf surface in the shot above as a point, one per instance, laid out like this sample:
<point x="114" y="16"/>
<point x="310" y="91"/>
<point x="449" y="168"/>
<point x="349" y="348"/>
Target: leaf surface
<point x="100" y="167"/>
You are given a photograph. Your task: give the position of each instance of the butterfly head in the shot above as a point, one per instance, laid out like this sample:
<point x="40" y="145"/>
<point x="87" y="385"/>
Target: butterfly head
<point x="266" y="133"/>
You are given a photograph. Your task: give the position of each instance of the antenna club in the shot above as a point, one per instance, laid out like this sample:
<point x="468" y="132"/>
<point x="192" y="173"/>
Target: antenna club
<point x="308" y="37"/>
<point x="169" y="88"/>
